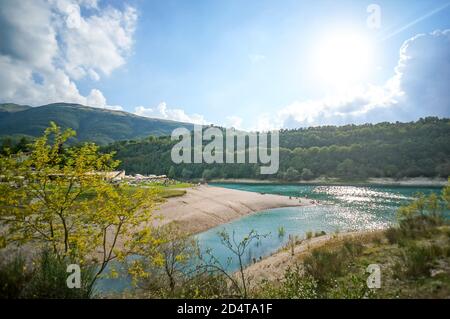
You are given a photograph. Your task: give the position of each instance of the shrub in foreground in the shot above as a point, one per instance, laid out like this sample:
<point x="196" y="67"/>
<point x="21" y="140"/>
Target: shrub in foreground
<point x="45" y="279"/>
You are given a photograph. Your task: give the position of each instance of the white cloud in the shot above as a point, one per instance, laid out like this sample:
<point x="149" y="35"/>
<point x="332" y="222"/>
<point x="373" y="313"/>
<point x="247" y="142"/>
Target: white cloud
<point x="356" y="106"/>
<point x="89" y="3"/>
<point x="96" y="99"/>
<point x="233" y="121"/>
<point x="99" y="42"/>
<point x="163" y="112"/>
<point x="47" y="45"/>
<point x="423" y="73"/>
<point x="267" y="122"/>
<point x="418" y="88"/>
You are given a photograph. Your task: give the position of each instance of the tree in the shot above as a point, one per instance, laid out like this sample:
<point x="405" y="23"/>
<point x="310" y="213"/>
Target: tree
<point x="208" y="174"/>
<point x="346" y="168"/>
<point x="307" y="174"/>
<point x="433" y="206"/>
<point x="443" y="169"/>
<point x="166" y="260"/>
<point x="292" y="174"/>
<point x="186" y="174"/>
<point x="22" y="145"/>
<point x="390" y="170"/>
<point x="238" y="249"/>
<point x="61" y="199"/>
<point x="7" y="145"/>
<point x="172" y="172"/>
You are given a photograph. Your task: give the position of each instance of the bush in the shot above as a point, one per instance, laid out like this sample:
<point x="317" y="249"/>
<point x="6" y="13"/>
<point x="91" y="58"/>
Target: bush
<point x="322" y="265"/>
<point x="195" y="286"/>
<point x="352" y="248"/>
<point x="421" y="226"/>
<point x="354" y="287"/>
<point x="296" y="286"/>
<point x="319" y="233"/>
<point x="14" y="275"/>
<point x="204" y="286"/>
<point x="413" y="227"/>
<point x="393" y="235"/>
<point x="46" y="280"/>
<point x="292" y="286"/>
<point x="417" y="260"/>
<point x="325" y="264"/>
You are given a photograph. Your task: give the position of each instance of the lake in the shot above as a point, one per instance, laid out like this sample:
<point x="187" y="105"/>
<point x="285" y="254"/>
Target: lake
<point x="339" y="208"/>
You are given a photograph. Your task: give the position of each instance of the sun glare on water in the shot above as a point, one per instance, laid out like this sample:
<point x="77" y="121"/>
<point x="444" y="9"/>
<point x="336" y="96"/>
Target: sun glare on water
<point x="343" y="59"/>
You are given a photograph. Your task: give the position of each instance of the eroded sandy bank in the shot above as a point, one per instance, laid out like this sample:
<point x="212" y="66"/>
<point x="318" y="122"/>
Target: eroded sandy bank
<point x="205" y="206"/>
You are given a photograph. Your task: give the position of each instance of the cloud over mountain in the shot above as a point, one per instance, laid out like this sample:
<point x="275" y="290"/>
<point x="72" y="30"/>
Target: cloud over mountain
<point x="174" y="114"/>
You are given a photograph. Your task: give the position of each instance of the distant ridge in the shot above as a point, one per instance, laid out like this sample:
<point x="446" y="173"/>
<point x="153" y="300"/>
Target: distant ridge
<point x="101" y="126"/>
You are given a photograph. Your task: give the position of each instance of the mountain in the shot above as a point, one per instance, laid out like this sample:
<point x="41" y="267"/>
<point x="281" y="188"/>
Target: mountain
<point x="101" y="126"/>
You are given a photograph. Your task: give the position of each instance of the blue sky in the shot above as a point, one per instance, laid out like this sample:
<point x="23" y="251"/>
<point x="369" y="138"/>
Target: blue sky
<point x="251" y="64"/>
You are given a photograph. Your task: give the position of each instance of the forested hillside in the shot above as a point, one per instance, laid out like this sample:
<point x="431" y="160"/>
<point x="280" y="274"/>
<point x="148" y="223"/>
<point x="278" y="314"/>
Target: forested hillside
<point x="97" y="125"/>
<point x="395" y="150"/>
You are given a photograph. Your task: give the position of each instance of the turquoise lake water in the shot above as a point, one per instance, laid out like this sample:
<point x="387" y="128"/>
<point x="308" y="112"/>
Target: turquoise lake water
<point x="339" y="208"/>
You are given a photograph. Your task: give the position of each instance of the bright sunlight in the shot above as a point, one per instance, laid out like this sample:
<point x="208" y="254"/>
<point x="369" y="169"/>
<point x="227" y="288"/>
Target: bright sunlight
<point x="343" y="59"/>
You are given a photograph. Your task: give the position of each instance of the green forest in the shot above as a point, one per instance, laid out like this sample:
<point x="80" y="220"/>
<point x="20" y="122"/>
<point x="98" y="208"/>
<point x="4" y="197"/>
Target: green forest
<point x="394" y="150"/>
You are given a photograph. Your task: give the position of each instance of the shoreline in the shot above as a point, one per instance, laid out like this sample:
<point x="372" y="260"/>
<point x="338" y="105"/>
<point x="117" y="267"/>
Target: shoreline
<point x="272" y="267"/>
<point x="412" y="182"/>
<point x="204" y="207"/>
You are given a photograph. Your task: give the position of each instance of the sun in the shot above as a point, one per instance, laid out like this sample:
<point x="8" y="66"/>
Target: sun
<point x="343" y="59"/>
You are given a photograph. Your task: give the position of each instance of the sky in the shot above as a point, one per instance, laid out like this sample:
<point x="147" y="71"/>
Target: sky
<point x="253" y="64"/>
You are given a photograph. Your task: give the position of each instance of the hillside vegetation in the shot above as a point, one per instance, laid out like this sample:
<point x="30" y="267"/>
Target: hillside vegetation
<point x="394" y="150"/>
<point x="143" y="145"/>
<point x="97" y="125"/>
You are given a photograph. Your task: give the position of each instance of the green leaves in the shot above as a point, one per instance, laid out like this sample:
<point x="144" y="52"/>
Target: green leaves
<point x="431" y="205"/>
<point x="60" y="197"/>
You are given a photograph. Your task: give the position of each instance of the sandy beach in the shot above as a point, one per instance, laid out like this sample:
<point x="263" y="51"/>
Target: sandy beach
<point x="204" y="206"/>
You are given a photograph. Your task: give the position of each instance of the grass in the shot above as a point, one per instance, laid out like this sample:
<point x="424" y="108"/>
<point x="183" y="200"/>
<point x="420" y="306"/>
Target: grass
<point x="168" y="186"/>
<point x="281" y="232"/>
<point x="171" y="190"/>
<point x="169" y="193"/>
<point x="310" y="234"/>
<point x="324" y="264"/>
<point x="164" y="191"/>
<point x="14" y="276"/>
<point x="414" y="259"/>
<point x="44" y="278"/>
<point x="409" y="266"/>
